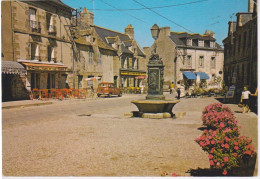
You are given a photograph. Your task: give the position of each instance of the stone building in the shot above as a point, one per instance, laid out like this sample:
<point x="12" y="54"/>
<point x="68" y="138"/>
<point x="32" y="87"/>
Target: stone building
<point x="35" y="34"/>
<point x="111" y="56"/>
<point x="189" y="59"/>
<point x="240" y="56"/>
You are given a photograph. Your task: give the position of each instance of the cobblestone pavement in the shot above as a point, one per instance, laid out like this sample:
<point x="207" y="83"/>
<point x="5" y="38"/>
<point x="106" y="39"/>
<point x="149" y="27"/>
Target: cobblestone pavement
<point x="94" y="138"/>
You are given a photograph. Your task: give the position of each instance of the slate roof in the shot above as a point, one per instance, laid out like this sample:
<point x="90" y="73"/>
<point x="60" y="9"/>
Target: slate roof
<point x="107" y="34"/>
<point x="179" y="38"/>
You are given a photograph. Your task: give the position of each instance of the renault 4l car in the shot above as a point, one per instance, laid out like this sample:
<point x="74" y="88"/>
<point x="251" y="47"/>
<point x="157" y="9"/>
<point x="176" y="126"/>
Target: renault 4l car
<point x="108" y="89"/>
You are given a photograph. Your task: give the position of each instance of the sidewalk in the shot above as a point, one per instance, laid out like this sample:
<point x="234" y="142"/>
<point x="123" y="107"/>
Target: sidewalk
<point x="35" y="102"/>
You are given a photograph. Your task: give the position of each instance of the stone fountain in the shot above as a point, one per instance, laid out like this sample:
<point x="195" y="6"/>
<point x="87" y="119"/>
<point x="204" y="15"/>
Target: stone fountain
<point x="155" y="102"/>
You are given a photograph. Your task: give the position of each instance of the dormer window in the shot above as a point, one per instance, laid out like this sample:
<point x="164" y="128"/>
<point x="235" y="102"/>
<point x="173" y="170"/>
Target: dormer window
<point x="201" y="43"/>
<point x="189" y="42"/>
<point x="212" y="44"/>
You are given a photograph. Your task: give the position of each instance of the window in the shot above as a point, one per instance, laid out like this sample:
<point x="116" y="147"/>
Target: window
<point x="50" y="24"/>
<point x="32" y="17"/>
<point x="212" y="44"/>
<point x="188" y="61"/>
<point x="34" y="51"/>
<point x="201" y="61"/>
<point x="99" y="58"/>
<point x="213" y="62"/>
<point x="80" y="77"/>
<point x="135" y="63"/>
<point x="189" y="42"/>
<point x="126" y="65"/>
<point x="201" y="43"/>
<point x="35" y="80"/>
<point x="90" y="59"/>
<point x="51" y="81"/>
<point x="50" y="50"/>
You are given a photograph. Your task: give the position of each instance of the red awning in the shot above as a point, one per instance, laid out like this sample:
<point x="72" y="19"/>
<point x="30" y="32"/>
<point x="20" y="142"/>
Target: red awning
<point x="140" y="77"/>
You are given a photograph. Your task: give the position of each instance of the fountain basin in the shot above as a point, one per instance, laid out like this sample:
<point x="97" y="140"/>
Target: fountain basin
<point x="155" y="106"/>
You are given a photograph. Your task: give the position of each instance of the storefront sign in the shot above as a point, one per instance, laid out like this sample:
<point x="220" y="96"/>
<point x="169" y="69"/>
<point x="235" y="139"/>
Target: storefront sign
<point x="41" y="68"/>
<point x="132" y="73"/>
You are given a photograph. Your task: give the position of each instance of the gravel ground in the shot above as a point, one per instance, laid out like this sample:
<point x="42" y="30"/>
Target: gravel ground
<point x="109" y="144"/>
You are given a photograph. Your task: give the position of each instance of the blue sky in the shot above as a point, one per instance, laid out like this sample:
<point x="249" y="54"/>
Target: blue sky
<point x="197" y="16"/>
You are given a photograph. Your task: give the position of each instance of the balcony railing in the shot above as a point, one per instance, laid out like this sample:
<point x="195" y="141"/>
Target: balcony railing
<point x="34" y="57"/>
<point x="51" y="30"/>
<point x="35" y="26"/>
<point x="52" y="60"/>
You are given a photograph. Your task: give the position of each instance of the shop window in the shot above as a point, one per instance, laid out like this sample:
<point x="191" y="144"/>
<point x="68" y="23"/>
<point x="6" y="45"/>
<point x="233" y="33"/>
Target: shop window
<point x="80" y="77"/>
<point x="35" y="81"/>
<point x="51" y="81"/>
<point x="90" y="82"/>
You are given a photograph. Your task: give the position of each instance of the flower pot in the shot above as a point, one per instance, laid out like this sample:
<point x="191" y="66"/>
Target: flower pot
<point x="246" y="168"/>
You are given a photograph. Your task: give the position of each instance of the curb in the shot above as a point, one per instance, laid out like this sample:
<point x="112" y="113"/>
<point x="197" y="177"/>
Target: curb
<point x="26" y="105"/>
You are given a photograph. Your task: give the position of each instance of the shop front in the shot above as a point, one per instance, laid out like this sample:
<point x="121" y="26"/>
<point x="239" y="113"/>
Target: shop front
<point x="132" y="81"/>
<point x="44" y="75"/>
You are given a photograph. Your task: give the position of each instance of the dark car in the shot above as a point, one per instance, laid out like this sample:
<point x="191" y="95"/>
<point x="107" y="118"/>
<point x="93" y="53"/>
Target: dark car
<point x="108" y="89"/>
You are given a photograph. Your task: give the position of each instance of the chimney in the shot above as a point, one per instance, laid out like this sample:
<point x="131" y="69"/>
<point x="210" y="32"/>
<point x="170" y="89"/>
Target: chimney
<point x="129" y="30"/>
<point x="232" y="26"/>
<point x="86" y="17"/>
<point x="250" y="5"/>
<point x="165" y="31"/>
<point x="209" y="32"/>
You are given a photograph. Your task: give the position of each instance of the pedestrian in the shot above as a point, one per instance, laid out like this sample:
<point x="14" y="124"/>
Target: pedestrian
<point x="179" y="93"/>
<point x="171" y="88"/>
<point x="245" y="99"/>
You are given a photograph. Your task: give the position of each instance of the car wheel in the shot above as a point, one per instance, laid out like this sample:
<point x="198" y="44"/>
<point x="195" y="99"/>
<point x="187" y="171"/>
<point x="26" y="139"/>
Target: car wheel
<point x="120" y="94"/>
<point x="98" y="95"/>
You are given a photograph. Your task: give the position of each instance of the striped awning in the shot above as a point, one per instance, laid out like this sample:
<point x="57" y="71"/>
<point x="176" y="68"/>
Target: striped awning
<point x="189" y="75"/>
<point x="11" y="67"/>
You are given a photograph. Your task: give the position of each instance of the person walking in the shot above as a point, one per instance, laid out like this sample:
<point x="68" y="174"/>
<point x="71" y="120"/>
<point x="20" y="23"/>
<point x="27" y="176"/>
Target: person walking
<point x="171" y="88"/>
<point x="245" y="99"/>
<point x="178" y="93"/>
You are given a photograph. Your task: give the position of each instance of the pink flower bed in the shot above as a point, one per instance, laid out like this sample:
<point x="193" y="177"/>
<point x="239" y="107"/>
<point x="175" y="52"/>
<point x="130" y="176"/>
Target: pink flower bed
<point x="218" y="116"/>
<point x="222" y="141"/>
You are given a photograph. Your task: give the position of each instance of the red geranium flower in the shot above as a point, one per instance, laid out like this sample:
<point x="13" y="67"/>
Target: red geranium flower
<point x="224" y="172"/>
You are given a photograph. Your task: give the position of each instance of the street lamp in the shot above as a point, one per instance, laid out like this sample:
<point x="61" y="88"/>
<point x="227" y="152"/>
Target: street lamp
<point x="155" y="31"/>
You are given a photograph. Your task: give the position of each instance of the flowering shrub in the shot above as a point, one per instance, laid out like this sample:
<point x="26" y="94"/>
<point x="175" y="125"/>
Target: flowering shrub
<point x="218" y="116"/>
<point x="223" y="142"/>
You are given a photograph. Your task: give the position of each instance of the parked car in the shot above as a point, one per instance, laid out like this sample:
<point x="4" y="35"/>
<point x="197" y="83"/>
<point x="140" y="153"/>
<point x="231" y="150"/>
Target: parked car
<point x="108" y="89"/>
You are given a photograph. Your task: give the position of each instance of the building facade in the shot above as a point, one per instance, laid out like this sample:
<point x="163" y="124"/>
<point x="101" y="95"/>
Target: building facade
<point x="36" y="35"/>
<point x="44" y="47"/>
<point x="189" y="59"/>
<point x="240" y="64"/>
